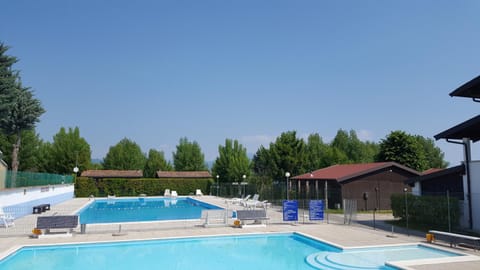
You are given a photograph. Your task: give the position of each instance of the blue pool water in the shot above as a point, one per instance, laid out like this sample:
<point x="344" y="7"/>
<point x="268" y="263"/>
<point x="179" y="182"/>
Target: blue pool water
<point x="142" y="209"/>
<point x="262" y="251"/>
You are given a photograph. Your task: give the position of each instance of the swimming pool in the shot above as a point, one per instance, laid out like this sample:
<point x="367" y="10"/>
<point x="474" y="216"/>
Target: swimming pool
<point x="142" y="209"/>
<point x="279" y="251"/>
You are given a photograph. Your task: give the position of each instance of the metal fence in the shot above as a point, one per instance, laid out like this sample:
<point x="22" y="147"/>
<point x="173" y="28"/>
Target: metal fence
<point x="30" y="179"/>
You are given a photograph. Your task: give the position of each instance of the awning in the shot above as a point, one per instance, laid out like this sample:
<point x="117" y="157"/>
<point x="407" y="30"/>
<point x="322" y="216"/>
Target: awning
<point x="469" y="129"/>
<point x="470" y="89"/>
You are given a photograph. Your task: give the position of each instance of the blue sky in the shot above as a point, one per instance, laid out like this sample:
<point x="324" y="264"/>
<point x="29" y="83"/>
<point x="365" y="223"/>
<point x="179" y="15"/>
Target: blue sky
<point x="156" y="71"/>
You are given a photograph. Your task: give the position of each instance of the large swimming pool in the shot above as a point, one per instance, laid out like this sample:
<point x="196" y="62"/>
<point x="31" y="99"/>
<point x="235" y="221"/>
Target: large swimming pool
<point x="280" y="251"/>
<point x="142" y="209"/>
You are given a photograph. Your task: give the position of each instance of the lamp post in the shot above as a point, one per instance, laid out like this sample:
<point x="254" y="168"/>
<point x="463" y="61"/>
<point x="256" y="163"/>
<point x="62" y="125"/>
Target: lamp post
<point x="243" y="183"/>
<point x="218" y="183"/>
<point x="287" y="175"/>
<point x="75" y="170"/>
<point x="406" y="209"/>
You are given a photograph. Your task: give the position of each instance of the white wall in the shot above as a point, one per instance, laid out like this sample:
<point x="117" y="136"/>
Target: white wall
<point x="20" y="201"/>
<point x="475" y="189"/>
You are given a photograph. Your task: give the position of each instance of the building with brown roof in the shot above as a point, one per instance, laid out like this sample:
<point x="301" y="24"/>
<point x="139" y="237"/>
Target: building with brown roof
<point x="99" y="174"/>
<point x="436" y="182"/>
<point x="370" y="184"/>
<point x="184" y="175"/>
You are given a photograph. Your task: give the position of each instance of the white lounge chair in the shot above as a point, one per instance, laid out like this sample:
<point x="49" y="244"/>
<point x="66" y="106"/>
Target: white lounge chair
<point x="174" y="194"/>
<point x="238" y="200"/>
<point x="256" y="204"/>
<point x="198" y="192"/>
<point x="167" y="193"/>
<point x="6" y="219"/>
<point x="253" y="200"/>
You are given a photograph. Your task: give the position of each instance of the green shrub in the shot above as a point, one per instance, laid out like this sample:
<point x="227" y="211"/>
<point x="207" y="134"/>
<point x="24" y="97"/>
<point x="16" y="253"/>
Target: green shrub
<point x="85" y="187"/>
<point x="426" y="210"/>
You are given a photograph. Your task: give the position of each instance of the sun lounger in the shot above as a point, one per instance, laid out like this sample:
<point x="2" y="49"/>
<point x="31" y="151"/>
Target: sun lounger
<point x="256" y="204"/>
<point x="253" y="200"/>
<point x="238" y="200"/>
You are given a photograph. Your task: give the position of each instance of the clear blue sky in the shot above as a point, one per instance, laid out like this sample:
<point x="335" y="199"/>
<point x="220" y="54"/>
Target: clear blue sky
<point x="156" y="71"/>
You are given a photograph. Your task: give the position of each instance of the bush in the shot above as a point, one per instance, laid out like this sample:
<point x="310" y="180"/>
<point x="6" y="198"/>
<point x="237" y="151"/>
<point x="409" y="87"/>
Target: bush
<point x="426" y="210"/>
<point x="85" y="187"/>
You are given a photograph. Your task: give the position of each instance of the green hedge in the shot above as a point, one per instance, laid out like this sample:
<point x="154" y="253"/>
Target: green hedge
<point x="426" y="210"/>
<point x="84" y="187"/>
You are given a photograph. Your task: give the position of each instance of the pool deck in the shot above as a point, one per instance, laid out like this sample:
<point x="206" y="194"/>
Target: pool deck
<point x="346" y="236"/>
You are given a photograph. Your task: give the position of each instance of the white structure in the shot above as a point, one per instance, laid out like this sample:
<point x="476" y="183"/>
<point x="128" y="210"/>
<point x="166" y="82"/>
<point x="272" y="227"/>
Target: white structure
<point x="475" y="191"/>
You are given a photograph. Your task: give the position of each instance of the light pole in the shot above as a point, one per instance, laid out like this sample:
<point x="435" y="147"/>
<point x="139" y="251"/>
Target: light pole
<point x="243" y="183"/>
<point x="287" y="175"/>
<point x="406" y="209"/>
<point x="218" y="183"/>
<point x="75" y="170"/>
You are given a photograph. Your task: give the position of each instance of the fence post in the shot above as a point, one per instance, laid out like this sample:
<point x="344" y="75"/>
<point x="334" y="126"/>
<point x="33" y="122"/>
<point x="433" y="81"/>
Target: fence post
<point x="448" y="212"/>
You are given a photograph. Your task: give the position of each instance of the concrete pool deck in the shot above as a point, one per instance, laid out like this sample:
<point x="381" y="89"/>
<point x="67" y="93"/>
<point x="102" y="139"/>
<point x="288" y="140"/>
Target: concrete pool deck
<point x="346" y="236"/>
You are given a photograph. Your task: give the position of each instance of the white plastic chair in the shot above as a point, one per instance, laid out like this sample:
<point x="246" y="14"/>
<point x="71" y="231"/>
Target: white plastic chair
<point x="167" y="193"/>
<point x="198" y="192"/>
<point x="6" y="219"/>
<point x="174" y="194"/>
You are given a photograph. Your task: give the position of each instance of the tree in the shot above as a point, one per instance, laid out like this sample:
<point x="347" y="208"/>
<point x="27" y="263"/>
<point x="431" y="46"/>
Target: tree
<point x="29" y="156"/>
<point x="232" y="162"/>
<point x="287" y="154"/>
<point x="402" y="148"/>
<point x="188" y="157"/>
<point x="19" y="110"/>
<point x="316" y="152"/>
<point x="155" y="162"/>
<point x="68" y="150"/>
<point x="355" y="150"/>
<point x="434" y="156"/>
<point x="8" y="78"/>
<point x="125" y="155"/>
<point x="262" y="163"/>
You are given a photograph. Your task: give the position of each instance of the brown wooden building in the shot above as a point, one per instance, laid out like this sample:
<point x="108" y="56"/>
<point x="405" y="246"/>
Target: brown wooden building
<point x="184" y="175"/>
<point x="439" y="181"/>
<point x="370" y="184"/>
<point x="100" y="174"/>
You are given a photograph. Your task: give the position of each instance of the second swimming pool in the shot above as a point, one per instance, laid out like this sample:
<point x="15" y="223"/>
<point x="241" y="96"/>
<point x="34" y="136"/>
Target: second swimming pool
<point x="142" y="209"/>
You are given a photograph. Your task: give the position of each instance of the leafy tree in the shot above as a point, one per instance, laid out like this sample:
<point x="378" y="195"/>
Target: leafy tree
<point x="232" y="162"/>
<point x="287" y="154"/>
<point x="316" y="153"/>
<point x="355" y="150"/>
<point x="125" y="155"/>
<point x="156" y="162"/>
<point x="29" y="158"/>
<point x="67" y="151"/>
<point x="403" y="148"/>
<point x="188" y="157"/>
<point x="19" y="110"/>
<point x="262" y="163"/>
<point x="433" y="154"/>
<point x="45" y="161"/>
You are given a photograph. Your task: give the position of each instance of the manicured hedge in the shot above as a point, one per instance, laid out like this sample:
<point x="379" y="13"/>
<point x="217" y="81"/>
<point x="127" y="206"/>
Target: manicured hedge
<point x="84" y="187"/>
<point x="426" y="210"/>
